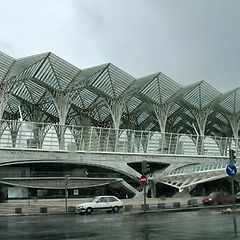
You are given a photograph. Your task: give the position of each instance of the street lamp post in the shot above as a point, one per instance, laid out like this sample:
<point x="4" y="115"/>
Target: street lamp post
<point x="66" y="193"/>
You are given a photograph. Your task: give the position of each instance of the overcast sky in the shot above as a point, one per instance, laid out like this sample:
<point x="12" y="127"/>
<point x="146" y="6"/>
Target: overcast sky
<point x="188" y="40"/>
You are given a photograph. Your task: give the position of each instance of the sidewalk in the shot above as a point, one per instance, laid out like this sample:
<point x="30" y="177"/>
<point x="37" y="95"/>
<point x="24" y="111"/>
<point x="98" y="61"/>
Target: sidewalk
<point x="58" y="206"/>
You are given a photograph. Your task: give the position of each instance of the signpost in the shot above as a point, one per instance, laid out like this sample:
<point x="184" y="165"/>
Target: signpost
<point x="231" y="171"/>
<point x="143" y="180"/>
<point x="145" y="170"/>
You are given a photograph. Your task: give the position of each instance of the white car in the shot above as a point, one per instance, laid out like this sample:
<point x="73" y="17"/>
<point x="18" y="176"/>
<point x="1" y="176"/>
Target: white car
<point x="107" y="203"/>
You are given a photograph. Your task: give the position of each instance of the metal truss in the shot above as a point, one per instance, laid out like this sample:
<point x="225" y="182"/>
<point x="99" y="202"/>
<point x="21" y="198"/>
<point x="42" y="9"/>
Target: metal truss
<point x="46" y="88"/>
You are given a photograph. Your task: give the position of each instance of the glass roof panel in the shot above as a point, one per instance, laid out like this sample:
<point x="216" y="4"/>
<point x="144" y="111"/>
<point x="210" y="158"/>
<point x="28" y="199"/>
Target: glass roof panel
<point x="34" y="76"/>
<point x="168" y="87"/>
<point x="84" y="99"/>
<point x="101" y="114"/>
<point x="88" y="75"/>
<point x="221" y="117"/>
<point x="64" y="71"/>
<point x="103" y="84"/>
<point x="178" y="119"/>
<point x="35" y="90"/>
<point x="46" y="75"/>
<point x="150" y="126"/>
<point x="173" y="109"/>
<point x="13" y="104"/>
<point x="202" y="95"/>
<point x="112" y="82"/>
<point x="231" y="101"/>
<point x="142" y="117"/>
<point x="217" y="127"/>
<point x="133" y="103"/>
<point x="22" y="92"/>
<point x="160" y="89"/>
<point x="120" y="80"/>
<point x="50" y="109"/>
<point x="22" y="64"/>
<point x="5" y="64"/>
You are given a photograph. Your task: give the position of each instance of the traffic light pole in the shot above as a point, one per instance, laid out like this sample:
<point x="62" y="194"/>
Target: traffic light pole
<point x="145" y="197"/>
<point x="232" y="160"/>
<point x="145" y="171"/>
<point x="66" y="193"/>
<point x="233" y="193"/>
<point x="234" y="207"/>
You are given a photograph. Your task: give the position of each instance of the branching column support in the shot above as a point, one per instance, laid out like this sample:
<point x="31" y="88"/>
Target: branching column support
<point x="201" y="117"/>
<point x="234" y="121"/>
<point x="38" y="128"/>
<point x="129" y="123"/>
<point x="142" y="137"/>
<point x="116" y="107"/>
<point x="62" y="103"/>
<point x="3" y="98"/>
<point x="80" y="136"/>
<point x="161" y="111"/>
<point x="137" y="137"/>
<point x="145" y="140"/>
<point x="39" y="132"/>
<point x="14" y="127"/>
<point x="224" y="142"/>
<point x="85" y="122"/>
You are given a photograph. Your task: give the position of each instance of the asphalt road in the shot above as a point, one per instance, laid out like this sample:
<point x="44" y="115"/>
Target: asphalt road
<point x="194" y="225"/>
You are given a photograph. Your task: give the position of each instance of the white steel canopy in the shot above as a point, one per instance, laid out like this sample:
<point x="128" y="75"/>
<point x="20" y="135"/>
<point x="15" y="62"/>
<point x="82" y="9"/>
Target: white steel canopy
<point x="49" y="89"/>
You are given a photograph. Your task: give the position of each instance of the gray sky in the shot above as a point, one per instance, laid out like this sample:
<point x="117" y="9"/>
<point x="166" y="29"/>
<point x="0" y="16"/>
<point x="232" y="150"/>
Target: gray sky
<point x="188" y="40"/>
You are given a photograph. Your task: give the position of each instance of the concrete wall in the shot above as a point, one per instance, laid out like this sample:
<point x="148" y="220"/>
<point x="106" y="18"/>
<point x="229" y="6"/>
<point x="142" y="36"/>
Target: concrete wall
<point x="115" y="161"/>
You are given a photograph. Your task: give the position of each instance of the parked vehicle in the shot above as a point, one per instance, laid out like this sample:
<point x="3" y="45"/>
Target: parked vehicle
<point x="216" y="198"/>
<point x="106" y="203"/>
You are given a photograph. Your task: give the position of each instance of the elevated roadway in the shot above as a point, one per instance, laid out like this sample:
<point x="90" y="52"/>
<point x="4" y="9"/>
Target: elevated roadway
<point x="179" y="171"/>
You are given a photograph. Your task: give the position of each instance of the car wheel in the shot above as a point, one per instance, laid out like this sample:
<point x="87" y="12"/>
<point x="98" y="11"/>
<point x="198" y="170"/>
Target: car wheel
<point x="89" y="210"/>
<point x="116" y="209"/>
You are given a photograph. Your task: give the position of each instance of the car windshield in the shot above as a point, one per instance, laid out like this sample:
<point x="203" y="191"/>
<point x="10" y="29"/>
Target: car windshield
<point x="212" y="194"/>
<point x="94" y="199"/>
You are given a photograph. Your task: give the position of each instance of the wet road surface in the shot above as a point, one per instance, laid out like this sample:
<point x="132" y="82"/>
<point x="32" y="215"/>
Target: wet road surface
<point x="197" y="225"/>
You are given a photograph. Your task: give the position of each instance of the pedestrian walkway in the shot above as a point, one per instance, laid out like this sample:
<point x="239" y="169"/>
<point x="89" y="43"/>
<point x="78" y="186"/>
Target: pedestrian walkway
<point x="58" y="206"/>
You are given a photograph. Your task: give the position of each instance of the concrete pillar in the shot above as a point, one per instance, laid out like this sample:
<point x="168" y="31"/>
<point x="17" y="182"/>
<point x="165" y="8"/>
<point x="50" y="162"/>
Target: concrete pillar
<point x="153" y="189"/>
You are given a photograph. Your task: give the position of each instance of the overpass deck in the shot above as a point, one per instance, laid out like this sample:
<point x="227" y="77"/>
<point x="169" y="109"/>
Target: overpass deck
<point x="188" y="159"/>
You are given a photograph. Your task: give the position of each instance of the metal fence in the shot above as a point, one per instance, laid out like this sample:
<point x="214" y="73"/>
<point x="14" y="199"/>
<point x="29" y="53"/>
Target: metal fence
<point x="24" y="135"/>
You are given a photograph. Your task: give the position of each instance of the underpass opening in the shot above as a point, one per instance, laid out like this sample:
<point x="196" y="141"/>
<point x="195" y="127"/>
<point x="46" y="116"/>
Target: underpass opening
<point x="163" y="190"/>
<point x="206" y="188"/>
<point x="24" y="181"/>
<point x="154" y="166"/>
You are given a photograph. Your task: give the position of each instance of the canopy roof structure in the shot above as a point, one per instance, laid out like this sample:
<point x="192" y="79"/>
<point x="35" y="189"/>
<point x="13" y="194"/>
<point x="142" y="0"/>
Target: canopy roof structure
<point x="46" y="88"/>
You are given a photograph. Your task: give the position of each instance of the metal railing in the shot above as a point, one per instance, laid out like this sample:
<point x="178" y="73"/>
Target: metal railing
<point x="25" y="135"/>
<point x="196" y="168"/>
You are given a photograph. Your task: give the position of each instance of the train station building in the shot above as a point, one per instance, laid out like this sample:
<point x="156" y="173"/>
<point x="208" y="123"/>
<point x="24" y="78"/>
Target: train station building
<point x="91" y="129"/>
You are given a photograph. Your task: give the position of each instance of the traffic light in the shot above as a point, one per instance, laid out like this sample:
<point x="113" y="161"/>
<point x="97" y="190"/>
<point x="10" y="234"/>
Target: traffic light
<point x="232" y="156"/>
<point x="145" y="167"/>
